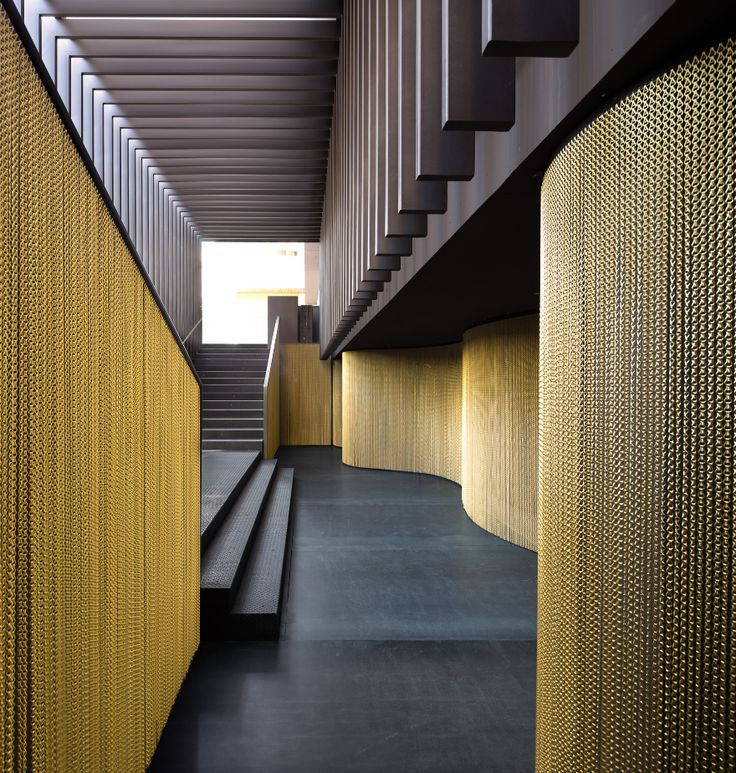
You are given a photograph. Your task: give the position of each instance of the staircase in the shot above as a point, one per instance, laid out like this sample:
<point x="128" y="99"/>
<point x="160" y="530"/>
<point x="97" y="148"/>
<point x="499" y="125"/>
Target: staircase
<point x="232" y="395"/>
<point x="246" y="500"/>
<point x="244" y="535"/>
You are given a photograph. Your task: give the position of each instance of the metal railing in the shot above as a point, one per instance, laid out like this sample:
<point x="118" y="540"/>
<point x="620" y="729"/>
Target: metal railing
<point x="271" y="398"/>
<point x="192" y="331"/>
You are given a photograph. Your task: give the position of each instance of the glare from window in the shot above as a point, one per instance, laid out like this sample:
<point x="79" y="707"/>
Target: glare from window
<point x="237" y="278"/>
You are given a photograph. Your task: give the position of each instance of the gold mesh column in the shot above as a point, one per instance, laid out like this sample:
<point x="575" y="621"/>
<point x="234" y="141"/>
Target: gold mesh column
<point x="499" y="427"/>
<point x="636" y="491"/>
<point x="337" y="402"/>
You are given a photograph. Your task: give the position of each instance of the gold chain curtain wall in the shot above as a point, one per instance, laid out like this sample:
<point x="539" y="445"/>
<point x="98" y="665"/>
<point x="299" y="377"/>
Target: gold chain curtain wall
<point x="637" y="408"/>
<point x="466" y="412"/>
<point x="99" y="464"/>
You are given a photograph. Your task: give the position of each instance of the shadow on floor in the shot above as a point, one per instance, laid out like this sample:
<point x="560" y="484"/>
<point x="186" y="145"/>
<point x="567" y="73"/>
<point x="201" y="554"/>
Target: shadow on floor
<point x="408" y="642"/>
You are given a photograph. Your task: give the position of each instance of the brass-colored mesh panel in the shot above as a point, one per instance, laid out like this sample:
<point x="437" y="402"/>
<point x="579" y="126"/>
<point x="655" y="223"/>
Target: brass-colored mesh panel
<point x="171" y="547"/>
<point x="9" y="147"/>
<point x="99" y="557"/>
<point x="337" y="402"/>
<point x="466" y="412"/>
<point x="636" y="474"/>
<point x="402" y="410"/>
<point x="499" y="427"/>
<point x="306" y="396"/>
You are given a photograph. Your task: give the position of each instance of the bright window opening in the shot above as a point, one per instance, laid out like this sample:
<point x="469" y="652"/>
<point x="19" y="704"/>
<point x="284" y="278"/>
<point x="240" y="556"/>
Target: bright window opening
<point x="237" y="278"/>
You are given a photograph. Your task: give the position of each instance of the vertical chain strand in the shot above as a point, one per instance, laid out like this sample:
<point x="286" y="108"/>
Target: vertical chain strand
<point x="636" y="665"/>
<point x="89" y="613"/>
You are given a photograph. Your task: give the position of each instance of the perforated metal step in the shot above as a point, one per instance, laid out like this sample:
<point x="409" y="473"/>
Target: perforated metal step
<point x="223" y="560"/>
<point x="223" y="476"/>
<point x="256" y="610"/>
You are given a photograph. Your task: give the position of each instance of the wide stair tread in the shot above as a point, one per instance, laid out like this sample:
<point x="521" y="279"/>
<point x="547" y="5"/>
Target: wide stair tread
<point x="218" y="407"/>
<point x="223" y="476"/>
<point x="228" y="445"/>
<point x="256" y="610"/>
<point x="233" y="413"/>
<point x="232" y="433"/>
<point x="223" y="560"/>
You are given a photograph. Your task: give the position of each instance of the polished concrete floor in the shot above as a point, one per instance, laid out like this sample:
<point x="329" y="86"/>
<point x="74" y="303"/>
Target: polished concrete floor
<point x="408" y="643"/>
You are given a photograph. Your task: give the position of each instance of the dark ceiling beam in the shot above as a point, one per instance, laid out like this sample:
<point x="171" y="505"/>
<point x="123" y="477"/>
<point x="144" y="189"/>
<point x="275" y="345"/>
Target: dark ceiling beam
<point x="237" y="186"/>
<point x="439" y="155"/>
<point x="530" y="27"/>
<point x="204" y="65"/>
<point x="224" y="122"/>
<point x="264" y="200"/>
<point x="396" y="223"/>
<point x="220" y="81"/>
<point x="478" y="93"/>
<point x="205" y="144"/>
<point x="255" y="154"/>
<point x="288" y="8"/>
<point x="181" y="26"/>
<point x="215" y="111"/>
<point x="385" y="243"/>
<point x="243" y="179"/>
<point x="415" y="196"/>
<point x="214" y="96"/>
<point x="282" y="210"/>
<point x="215" y="48"/>
<point x="215" y="172"/>
<point x="222" y="167"/>
<point x="382" y="249"/>
<point x="215" y="134"/>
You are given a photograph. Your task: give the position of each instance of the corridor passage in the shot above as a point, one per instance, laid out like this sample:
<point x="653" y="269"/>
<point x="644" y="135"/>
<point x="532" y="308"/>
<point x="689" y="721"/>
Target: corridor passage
<point x="409" y="642"/>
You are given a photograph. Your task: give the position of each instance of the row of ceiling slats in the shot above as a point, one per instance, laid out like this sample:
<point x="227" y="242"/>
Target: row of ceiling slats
<point x="223" y="107"/>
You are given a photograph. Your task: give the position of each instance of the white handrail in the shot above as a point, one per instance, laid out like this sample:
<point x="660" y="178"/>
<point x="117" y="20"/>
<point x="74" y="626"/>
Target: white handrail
<point x="271" y="397"/>
<point x="187" y="337"/>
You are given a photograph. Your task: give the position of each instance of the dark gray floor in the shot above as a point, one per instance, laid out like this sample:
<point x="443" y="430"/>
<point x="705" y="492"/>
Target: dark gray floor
<point x="408" y="642"/>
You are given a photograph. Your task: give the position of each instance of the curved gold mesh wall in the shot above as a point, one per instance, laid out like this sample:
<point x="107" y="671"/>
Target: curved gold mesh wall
<point x="466" y="412"/>
<point x="637" y="368"/>
<point x="337" y="402"/>
<point x="99" y="464"/>
<point x="402" y="409"/>
<point x="499" y="430"/>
